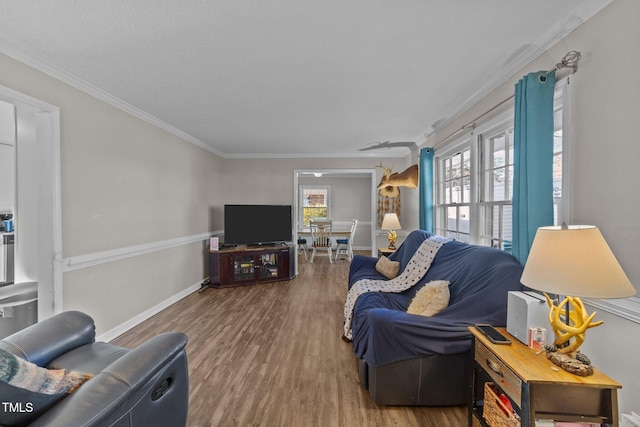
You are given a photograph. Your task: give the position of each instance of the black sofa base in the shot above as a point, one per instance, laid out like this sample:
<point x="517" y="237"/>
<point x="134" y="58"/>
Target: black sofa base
<point x="436" y="380"/>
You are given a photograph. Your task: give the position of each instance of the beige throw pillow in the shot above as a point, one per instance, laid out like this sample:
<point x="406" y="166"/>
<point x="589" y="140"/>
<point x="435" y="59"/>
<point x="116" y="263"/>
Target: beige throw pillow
<point x="431" y="299"/>
<point x="387" y="268"/>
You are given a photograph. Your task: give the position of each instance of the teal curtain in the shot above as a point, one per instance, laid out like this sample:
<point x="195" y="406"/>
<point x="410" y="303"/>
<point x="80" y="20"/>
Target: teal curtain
<point x="533" y="160"/>
<point x="425" y="186"/>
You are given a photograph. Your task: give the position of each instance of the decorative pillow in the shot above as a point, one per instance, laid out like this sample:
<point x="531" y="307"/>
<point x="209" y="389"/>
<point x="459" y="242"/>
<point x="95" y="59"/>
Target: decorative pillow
<point x="387" y="268"/>
<point x="30" y="390"/>
<point x="431" y="299"/>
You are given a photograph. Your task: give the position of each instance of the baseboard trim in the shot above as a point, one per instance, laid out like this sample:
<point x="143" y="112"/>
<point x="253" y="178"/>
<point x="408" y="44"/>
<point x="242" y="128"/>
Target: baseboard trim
<point x="90" y="260"/>
<point x="136" y="320"/>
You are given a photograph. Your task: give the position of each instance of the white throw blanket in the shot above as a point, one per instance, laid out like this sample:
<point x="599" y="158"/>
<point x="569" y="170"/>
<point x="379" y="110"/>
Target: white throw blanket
<point x="415" y="270"/>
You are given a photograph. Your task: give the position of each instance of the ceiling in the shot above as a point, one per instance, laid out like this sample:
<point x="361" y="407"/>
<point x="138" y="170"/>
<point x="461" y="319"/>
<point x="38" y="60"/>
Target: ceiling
<point x="284" y="78"/>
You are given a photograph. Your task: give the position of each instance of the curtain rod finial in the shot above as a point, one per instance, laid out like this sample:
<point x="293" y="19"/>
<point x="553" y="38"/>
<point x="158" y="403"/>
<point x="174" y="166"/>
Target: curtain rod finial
<point x="570" y="60"/>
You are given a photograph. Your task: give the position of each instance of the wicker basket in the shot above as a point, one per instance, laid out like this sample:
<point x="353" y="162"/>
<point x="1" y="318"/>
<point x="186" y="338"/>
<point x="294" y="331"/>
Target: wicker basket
<point x="495" y="412"/>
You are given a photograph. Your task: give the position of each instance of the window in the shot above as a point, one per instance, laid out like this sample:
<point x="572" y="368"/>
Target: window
<point x="314" y="202"/>
<point x="497" y="187"/>
<point x="474" y="178"/>
<point x="453" y="183"/>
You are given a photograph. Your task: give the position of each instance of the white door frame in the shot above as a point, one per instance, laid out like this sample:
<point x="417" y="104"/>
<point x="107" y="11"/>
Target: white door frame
<point x="341" y="172"/>
<point x="46" y="161"/>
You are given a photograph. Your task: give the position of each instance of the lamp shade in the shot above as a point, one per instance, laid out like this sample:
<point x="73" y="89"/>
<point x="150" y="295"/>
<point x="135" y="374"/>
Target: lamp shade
<point x="576" y="261"/>
<point x="390" y="222"/>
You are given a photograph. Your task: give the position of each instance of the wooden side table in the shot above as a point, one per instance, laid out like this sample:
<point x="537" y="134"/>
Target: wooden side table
<point x="538" y="389"/>
<point x="385" y="251"/>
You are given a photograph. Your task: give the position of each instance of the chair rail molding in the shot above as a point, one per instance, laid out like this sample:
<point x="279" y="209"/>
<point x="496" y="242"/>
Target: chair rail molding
<point x="90" y="260"/>
<point x="627" y="308"/>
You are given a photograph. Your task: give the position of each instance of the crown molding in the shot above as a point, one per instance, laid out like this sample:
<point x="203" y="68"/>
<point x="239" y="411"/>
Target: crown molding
<point x="586" y="10"/>
<point x="386" y="154"/>
<point x="94" y="91"/>
<point x="86" y="87"/>
<point x="524" y="58"/>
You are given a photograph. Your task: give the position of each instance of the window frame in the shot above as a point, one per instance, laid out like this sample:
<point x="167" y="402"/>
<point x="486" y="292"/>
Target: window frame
<point x="303" y="187"/>
<point x="460" y="145"/>
<point x="474" y="140"/>
<point x="627" y="308"/>
<point x="501" y="124"/>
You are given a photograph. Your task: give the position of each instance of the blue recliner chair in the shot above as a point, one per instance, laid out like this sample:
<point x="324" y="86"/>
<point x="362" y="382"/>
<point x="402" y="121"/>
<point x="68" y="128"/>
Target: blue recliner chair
<point x="144" y="386"/>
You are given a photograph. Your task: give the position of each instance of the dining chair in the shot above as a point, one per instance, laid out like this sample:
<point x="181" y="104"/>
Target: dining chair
<point x="321" y="237"/>
<point x="345" y="246"/>
<point x="302" y="246"/>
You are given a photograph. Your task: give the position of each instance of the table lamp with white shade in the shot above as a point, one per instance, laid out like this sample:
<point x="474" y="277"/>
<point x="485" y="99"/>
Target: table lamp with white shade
<point x="391" y="223"/>
<point x="574" y="261"/>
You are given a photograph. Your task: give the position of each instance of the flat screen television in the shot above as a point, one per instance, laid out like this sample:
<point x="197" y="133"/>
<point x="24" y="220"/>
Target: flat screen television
<point x="257" y="224"/>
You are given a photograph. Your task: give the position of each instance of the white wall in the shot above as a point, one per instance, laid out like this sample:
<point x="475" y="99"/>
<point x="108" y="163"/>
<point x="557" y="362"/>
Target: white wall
<point x="125" y="184"/>
<point x="604" y="170"/>
<point x="271" y="180"/>
<point x="350" y="198"/>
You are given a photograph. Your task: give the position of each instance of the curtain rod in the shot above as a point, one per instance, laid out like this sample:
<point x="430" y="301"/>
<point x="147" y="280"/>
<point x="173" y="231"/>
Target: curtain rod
<point x="570" y="60"/>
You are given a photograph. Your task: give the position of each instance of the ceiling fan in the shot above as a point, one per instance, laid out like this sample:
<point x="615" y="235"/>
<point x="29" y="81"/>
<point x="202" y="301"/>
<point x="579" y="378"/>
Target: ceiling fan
<point x="387" y="144"/>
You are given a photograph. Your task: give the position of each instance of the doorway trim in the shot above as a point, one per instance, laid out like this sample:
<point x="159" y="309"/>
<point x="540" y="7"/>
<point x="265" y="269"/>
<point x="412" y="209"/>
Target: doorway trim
<point x="49" y="215"/>
<point x="341" y="172"/>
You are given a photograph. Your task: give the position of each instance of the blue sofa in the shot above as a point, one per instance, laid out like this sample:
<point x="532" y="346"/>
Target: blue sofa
<point x="406" y="359"/>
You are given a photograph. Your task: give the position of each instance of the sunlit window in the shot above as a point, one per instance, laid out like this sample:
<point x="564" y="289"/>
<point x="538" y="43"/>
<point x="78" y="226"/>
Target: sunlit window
<point x="474" y="178"/>
<point x="314" y="203"/>
<point x="454" y="195"/>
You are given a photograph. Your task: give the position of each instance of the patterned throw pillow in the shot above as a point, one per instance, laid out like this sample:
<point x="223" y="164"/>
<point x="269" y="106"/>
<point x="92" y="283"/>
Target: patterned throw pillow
<point x="431" y="299"/>
<point x="28" y="390"/>
<point x="387" y="268"/>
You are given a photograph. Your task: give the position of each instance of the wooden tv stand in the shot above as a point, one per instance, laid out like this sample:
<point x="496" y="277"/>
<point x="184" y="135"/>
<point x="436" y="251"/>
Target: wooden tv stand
<point x="247" y="265"/>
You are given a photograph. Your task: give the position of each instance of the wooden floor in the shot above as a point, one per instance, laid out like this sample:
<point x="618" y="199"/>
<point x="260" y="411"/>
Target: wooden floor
<point x="272" y="355"/>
